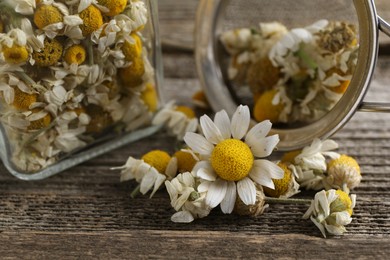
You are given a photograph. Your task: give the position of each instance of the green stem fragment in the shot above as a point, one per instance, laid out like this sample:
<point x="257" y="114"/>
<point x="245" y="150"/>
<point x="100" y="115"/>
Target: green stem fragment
<point x="135" y="192"/>
<point x="286" y="201"/>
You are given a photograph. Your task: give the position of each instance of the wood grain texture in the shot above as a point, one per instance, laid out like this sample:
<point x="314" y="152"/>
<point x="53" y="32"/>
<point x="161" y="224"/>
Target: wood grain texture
<point x="85" y="212"/>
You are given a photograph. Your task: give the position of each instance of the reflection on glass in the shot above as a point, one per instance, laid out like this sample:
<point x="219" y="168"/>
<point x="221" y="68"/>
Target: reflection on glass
<point x="294" y="76"/>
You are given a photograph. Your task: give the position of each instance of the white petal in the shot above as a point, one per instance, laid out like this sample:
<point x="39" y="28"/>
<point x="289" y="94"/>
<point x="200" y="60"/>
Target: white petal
<point x="222" y="121"/>
<point x="160" y="178"/>
<point x="263" y="171"/>
<point x="329" y="145"/>
<point x="343" y="218"/>
<point x="322" y="201"/>
<point x="247" y="191"/>
<point x="216" y="193"/>
<point x="171" y="169"/>
<point x="265" y="146"/>
<point x="210" y="130"/>
<point x="148" y="180"/>
<point x="258" y="132"/>
<point x="204" y="186"/>
<point x="171" y="190"/>
<point x="319" y="225"/>
<point x="335" y="230"/>
<point x="206" y="174"/>
<point x="240" y="122"/>
<point x="227" y="204"/>
<point x="182" y="217"/>
<point x="198" y="143"/>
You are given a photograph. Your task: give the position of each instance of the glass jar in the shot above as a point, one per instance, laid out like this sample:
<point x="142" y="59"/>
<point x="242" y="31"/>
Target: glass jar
<point x="305" y="66"/>
<point x="77" y="79"/>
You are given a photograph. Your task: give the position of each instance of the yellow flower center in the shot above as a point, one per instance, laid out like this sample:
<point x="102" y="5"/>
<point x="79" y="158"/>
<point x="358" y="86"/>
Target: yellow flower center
<point x="50" y="54"/>
<point x="281" y="185"/>
<point x="264" y="109"/>
<point x="185" y="161"/>
<point x="200" y="99"/>
<point x="342" y="203"/>
<point x="132" y="75"/>
<point x="22" y="100"/>
<point x="75" y="54"/>
<point x="46" y="15"/>
<point x="149" y="97"/>
<point x="187" y="111"/>
<point x="1" y="27"/>
<point x="16" y="54"/>
<point x="115" y="6"/>
<point x="344" y="161"/>
<point x="262" y="75"/>
<point x="92" y="20"/>
<point x="40" y="123"/>
<point x="157" y="159"/>
<point x="132" y="50"/>
<point x="290" y="156"/>
<point x="232" y="160"/>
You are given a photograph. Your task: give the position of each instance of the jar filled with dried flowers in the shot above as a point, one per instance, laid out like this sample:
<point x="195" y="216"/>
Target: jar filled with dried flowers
<point x="77" y="79"/>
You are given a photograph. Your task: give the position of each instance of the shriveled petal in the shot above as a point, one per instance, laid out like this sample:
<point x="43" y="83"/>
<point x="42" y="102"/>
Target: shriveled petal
<point x="240" y="122"/>
<point x="322" y="200"/>
<point x="171" y="190"/>
<point x="247" y="191"/>
<point x="198" y="143"/>
<point x="216" y="193"/>
<point x="210" y="130"/>
<point x="148" y="180"/>
<point x="264" y="147"/>
<point x="343" y="218"/>
<point x="160" y="178"/>
<point x="171" y="169"/>
<point x="329" y="145"/>
<point x="319" y="225"/>
<point x="222" y="121"/>
<point x="335" y="230"/>
<point x="227" y="204"/>
<point x="204" y="186"/>
<point x="182" y="217"/>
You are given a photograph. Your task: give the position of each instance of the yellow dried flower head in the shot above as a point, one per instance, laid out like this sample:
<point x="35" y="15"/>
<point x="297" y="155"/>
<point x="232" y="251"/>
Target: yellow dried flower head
<point x="189" y="112"/>
<point x="132" y="50"/>
<point x="50" y="54"/>
<point x="100" y="119"/>
<point x="75" y="54"/>
<point x="92" y="20"/>
<point x="115" y="6"/>
<point x="22" y="100"/>
<point x="252" y="210"/>
<point x="132" y="75"/>
<point x="289" y="157"/>
<point x="1" y="27"/>
<point x="47" y="14"/>
<point x="200" y="99"/>
<point x="16" y="54"/>
<point x="343" y="171"/>
<point x="149" y="97"/>
<point x="113" y="88"/>
<point x="157" y="159"/>
<point x="185" y="161"/>
<point x="281" y="185"/>
<point x="342" y="203"/>
<point x="264" y="109"/>
<point x="262" y="76"/>
<point x="232" y="159"/>
<point x="40" y="123"/>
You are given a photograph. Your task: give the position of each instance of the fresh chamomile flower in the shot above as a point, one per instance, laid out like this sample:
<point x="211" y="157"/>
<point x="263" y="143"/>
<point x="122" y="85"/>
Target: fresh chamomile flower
<point x="186" y="199"/>
<point x="252" y="210"/>
<point x="331" y="210"/>
<point x="178" y="119"/>
<point x="343" y="173"/>
<point x="285" y="187"/>
<point x="150" y="171"/>
<point x="229" y="153"/>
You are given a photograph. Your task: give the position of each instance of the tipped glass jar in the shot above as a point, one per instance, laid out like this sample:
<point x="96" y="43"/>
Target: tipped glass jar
<point x="77" y="79"/>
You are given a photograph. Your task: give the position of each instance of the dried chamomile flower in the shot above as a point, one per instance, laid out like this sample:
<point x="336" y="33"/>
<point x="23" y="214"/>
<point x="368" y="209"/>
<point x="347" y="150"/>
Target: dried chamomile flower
<point x="1" y="27"/>
<point x="15" y="54"/>
<point x="50" y="54"/>
<point x="185" y="161"/>
<point x="199" y="99"/>
<point x="331" y="210"/>
<point x="150" y="98"/>
<point x="337" y="36"/>
<point x="75" y="54"/>
<point x="92" y="20"/>
<point x="132" y="75"/>
<point x="39" y="119"/>
<point x="150" y="171"/>
<point x="23" y="100"/>
<point x="100" y="119"/>
<point x="254" y="210"/>
<point x="46" y="15"/>
<point x="266" y="108"/>
<point x="186" y="198"/>
<point x="285" y="187"/>
<point x="262" y="76"/>
<point x="178" y="119"/>
<point x="115" y="7"/>
<point x="343" y="173"/>
<point x="132" y="50"/>
<point x="229" y="152"/>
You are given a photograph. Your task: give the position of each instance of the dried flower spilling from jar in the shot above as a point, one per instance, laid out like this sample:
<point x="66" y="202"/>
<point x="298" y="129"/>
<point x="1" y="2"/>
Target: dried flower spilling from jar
<point x="294" y="76"/>
<point x="70" y="72"/>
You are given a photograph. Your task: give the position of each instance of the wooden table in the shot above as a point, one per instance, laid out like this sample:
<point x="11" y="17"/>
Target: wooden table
<point x="85" y="212"/>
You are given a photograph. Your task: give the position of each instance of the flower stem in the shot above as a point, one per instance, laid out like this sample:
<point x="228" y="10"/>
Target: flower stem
<point x="286" y="201"/>
<point x="135" y="192"/>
